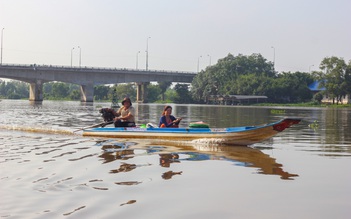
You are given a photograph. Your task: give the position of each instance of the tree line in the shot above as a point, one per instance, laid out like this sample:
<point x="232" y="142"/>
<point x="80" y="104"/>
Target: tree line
<point x="254" y="75"/>
<point x="232" y="75"/>
<point x="160" y="92"/>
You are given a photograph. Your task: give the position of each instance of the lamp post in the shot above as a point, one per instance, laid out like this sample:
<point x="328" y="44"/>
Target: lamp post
<point x="2" y="32"/>
<point x="198" y="63"/>
<point x="137" y="57"/>
<point x="309" y="68"/>
<point x="273" y="57"/>
<point x="210" y="59"/>
<point x="71" y="56"/>
<point x="147" y="53"/>
<point x="80" y="56"/>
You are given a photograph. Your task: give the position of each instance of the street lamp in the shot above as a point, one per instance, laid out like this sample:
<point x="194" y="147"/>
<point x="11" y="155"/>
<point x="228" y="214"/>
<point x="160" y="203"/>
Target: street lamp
<point x="137" y="55"/>
<point x="80" y="56"/>
<point x="273" y="56"/>
<point x="71" y="56"/>
<point x="2" y="32"/>
<point x="210" y="59"/>
<point x="147" y="53"/>
<point x="198" y="63"/>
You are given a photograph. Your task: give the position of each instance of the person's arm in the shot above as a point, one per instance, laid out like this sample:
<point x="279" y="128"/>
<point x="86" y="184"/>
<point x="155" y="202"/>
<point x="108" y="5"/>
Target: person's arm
<point x="171" y="123"/>
<point x="118" y="113"/>
<point x="175" y="121"/>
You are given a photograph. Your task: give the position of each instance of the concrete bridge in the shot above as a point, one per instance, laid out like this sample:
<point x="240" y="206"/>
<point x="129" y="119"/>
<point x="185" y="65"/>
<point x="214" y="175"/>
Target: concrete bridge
<point x="88" y="77"/>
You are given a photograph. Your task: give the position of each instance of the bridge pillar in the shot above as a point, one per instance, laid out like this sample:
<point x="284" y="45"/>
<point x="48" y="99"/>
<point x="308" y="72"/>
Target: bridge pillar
<point x="36" y="91"/>
<point x="87" y="93"/>
<point x="138" y="96"/>
<point x="142" y="92"/>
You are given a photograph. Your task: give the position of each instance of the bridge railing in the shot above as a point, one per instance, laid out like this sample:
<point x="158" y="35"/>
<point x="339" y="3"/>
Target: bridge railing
<point x="48" y="67"/>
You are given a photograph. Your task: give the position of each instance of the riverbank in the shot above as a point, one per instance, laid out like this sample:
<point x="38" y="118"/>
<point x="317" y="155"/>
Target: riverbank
<point x="305" y="105"/>
<point x="309" y="104"/>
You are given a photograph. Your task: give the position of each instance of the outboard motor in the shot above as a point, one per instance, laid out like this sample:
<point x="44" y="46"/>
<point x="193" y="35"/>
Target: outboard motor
<point x="107" y="114"/>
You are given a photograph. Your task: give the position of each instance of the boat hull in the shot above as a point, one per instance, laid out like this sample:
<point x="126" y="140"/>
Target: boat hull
<point x="246" y="135"/>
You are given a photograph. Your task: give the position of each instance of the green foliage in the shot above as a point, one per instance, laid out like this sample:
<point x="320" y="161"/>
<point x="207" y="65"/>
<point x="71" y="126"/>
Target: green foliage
<point x="123" y="90"/>
<point x="314" y="125"/>
<point x="183" y="94"/>
<point x="233" y="75"/>
<point x="61" y="91"/>
<point x="277" y="111"/>
<point x="170" y="96"/>
<point x="101" y="92"/>
<point x="74" y="95"/>
<point x="318" y="97"/>
<point x="251" y="75"/>
<point x="153" y="93"/>
<point x="14" y="89"/>
<point x="335" y="77"/>
<point x="292" y="87"/>
<point x="164" y="85"/>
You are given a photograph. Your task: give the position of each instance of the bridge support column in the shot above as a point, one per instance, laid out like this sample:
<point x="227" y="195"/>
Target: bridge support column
<point x="36" y="91"/>
<point x="87" y="93"/>
<point x="142" y="92"/>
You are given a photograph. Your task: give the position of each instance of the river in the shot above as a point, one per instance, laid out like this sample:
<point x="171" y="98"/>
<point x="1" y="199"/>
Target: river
<point x="50" y="171"/>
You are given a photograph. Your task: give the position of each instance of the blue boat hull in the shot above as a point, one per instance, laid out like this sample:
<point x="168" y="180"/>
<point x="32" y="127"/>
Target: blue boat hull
<point x="246" y="135"/>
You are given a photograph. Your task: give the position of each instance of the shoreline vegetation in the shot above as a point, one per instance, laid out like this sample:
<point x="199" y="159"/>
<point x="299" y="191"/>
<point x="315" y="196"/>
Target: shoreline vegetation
<point x="239" y="75"/>
<point x="308" y="104"/>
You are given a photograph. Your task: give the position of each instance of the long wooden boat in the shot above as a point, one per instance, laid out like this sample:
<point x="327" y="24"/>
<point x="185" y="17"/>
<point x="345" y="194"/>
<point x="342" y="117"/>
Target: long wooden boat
<point x="245" y="135"/>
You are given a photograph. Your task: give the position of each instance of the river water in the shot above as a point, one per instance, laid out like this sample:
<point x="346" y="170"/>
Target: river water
<point x="50" y="171"/>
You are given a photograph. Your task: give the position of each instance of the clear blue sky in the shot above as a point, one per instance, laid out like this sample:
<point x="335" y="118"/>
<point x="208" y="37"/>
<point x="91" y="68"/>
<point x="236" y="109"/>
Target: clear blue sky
<point x="111" y="32"/>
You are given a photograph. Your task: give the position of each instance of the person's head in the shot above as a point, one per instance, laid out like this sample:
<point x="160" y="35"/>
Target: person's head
<point x="167" y="110"/>
<point x="126" y="102"/>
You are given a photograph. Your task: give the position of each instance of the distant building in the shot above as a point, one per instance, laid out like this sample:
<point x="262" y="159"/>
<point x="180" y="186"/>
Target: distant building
<point x="315" y="88"/>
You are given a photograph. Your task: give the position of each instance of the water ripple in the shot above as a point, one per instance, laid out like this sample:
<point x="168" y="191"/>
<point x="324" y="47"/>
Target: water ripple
<point x="75" y="210"/>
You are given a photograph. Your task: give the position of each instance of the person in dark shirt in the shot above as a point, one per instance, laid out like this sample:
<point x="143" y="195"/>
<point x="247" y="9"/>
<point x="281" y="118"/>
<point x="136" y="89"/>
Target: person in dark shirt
<point x="167" y="120"/>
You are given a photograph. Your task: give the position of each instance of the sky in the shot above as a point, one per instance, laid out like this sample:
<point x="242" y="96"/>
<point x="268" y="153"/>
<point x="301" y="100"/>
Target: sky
<point x="180" y="35"/>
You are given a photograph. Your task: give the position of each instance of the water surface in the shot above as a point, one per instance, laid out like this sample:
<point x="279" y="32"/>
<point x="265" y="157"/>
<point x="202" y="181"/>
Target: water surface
<point x="47" y="171"/>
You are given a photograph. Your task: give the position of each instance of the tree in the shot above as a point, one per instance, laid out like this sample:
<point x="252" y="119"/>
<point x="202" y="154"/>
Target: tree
<point x="292" y="87"/>
<point x="222" y="78"/>
<point x="14" y="89"/>
<point x="47" y="90"/>
<point x="335" y="77"/>
<point x="163" y="86"/>
<point x="60" y="90"/>
<point x="183" y="93"/>
<point x="348" y="78"/>
<point x="170" y="95"/>
<point x="123" y="90"/>
<point x="22" y="89"/>
<point x="101" y="92"/>
<point x="153" y="93"/>
<point x="74" y="95"/>
<point x="318" y="97"/>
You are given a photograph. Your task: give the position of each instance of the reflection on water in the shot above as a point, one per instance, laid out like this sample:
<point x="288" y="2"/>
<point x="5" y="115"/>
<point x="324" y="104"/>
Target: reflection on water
<point x="239" y="156"/>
